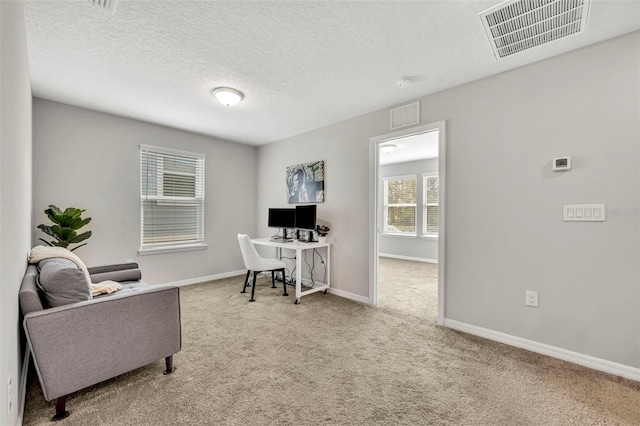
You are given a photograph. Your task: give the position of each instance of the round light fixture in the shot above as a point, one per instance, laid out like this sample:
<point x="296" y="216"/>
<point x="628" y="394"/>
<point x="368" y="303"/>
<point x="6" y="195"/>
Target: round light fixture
<point x="227" y="96"/>
<point x="404" y="82"/>
<point x="388" y="148"/>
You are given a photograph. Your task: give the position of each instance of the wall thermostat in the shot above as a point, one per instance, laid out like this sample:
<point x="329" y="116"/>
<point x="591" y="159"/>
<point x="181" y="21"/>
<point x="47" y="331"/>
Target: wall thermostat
<point x="562" y="163"/>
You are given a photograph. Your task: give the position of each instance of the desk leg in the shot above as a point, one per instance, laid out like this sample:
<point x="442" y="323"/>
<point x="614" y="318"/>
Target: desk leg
<point x="298" y="275"/>
<point x="328" y="266"/>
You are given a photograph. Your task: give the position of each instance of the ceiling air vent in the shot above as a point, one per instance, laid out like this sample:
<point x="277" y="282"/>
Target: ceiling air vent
<point x="517" y="25"/>
<point x="406" y="115"/>
<point x="106" y="6"/>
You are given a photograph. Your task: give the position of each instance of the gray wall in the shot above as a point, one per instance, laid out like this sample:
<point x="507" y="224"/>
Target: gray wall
<point x="405" y="246"/>
<point x="344" y="148"/>
<point x="91" y="160"/>
<point x="15" y="198"/>
<point x="504" y="227"/>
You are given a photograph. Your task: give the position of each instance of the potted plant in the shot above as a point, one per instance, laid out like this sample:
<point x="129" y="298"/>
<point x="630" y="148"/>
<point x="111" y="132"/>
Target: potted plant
<point x="66" y="223"/>
<point x="322" y="231"/>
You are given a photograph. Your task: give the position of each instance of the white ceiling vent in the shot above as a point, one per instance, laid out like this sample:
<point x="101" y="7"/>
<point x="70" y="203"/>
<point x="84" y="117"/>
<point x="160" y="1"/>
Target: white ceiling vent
<point x="517" y="25"/>
<point x="406" y="115"/>
<point x="106" y="6"/>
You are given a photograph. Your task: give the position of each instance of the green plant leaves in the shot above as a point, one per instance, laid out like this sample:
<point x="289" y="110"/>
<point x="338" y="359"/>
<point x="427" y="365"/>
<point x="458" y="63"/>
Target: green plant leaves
<point x="66" y="223"/>
<point x="69" y="218"/>
<point x="80" y="238"/>
<point x="54" y="210"/>
<point x="79" y="222"/>
<point x="47" y="230"/>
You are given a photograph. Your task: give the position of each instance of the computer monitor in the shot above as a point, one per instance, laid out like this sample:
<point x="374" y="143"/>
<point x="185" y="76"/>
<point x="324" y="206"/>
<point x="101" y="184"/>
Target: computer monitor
<point x="306" y="219"/>
<point x="282" y="218"/>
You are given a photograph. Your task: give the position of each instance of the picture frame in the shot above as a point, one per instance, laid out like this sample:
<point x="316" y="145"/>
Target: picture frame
<point x="305" y="183"/>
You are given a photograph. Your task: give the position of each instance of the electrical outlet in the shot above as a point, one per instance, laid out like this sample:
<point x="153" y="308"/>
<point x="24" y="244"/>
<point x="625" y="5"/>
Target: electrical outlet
<point x="9" y="394"/>
<point x="531" y="298"/>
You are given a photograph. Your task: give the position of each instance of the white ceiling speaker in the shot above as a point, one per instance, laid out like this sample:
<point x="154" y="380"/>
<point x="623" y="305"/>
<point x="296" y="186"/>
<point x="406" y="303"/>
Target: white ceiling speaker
<point x="227" y="96"/>
<point x="404" y="82"/>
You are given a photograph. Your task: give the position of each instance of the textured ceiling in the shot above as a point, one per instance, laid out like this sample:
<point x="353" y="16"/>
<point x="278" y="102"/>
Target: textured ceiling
<point x="301" y="65"/>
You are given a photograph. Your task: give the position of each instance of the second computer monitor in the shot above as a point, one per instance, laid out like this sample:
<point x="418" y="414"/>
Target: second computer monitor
<point x="306" y="217"/>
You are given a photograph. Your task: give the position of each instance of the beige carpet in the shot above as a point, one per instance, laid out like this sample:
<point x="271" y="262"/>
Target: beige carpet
<point x="331" y="361"/>
<point x="408" y="287"/>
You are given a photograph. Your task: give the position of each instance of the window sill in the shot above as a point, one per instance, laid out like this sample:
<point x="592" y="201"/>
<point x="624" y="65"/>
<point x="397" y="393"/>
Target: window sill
<point x="171" y="249"/>
<point x="394" y="235"/>
<point x="422" y="237"/>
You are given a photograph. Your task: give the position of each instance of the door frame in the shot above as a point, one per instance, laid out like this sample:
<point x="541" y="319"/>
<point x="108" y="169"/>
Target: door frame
<point x="374" y="198"/>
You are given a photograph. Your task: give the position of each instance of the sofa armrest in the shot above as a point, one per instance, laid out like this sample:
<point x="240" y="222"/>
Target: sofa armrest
<point x="126" y="271"/>
<point x="81" y="344"/>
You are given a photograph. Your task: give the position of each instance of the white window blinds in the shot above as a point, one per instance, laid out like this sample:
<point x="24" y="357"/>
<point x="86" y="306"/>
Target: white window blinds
<point x="430" y="206"/>
<point x="400" y="202"/>
<point x="171" y="198"/>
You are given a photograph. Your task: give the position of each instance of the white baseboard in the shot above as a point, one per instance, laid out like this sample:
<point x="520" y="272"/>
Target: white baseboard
<point x="207" y="278"/>
<point x="415" y="259"/>
<point x="204" y="279"/>
<point x="351" y="296"/>
<point x="552" y="351"/>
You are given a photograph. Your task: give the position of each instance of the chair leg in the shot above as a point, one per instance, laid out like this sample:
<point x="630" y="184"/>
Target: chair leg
<point x="273" y="279"/>
<point x="253" y="288"/>
<point x="244" y="283"/>
<point x="61" y="412"/>
<point x="168" y="361"/>
<point x="284" y="283"/>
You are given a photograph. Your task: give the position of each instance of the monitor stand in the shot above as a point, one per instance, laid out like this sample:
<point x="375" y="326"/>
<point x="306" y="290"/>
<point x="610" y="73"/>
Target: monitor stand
<point x="309" y="238"/>
<point x="284" y="233"/>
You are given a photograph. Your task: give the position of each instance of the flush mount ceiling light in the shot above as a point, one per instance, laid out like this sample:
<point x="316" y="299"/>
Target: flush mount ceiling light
<point x="388" y="148"/>
<point x="404" y="82"/>
<point x="227" y="96"/>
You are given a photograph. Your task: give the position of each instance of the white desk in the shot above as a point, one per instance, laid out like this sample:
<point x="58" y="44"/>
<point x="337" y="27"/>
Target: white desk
<point x="299" y="248"/>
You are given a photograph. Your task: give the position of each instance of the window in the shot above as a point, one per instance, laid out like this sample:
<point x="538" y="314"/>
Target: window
<point x="171" y="199"/>
<point x="400" y="205"/>
<point x="430" y="204"/>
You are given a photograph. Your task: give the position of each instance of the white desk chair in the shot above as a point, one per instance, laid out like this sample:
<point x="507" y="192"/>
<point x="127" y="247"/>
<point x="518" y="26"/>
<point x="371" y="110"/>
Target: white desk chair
<point x="256" y="263"/>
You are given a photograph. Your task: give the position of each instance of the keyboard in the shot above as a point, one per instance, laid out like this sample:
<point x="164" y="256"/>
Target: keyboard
<point x="281" y="240"/>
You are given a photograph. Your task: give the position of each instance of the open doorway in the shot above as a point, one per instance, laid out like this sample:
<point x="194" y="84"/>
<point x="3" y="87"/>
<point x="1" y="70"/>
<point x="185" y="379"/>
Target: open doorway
<point x="408" y="221"/>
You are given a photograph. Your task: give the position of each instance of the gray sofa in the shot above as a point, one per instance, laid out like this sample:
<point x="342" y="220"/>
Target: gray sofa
<point x="76" y="344"/>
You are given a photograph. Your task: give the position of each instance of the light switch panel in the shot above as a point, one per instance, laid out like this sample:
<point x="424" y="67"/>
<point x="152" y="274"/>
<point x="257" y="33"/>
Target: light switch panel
<point x="584" y="213"/>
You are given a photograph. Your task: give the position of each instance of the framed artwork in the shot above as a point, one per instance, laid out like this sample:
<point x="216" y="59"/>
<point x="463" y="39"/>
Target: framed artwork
<point x="305" y="183"/>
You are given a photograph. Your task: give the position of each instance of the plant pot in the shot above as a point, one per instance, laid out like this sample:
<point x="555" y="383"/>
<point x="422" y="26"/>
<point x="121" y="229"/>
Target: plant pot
<point x="322" y="239"/>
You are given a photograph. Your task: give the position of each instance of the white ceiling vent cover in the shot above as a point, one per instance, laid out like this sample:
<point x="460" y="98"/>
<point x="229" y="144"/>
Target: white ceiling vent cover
<point x="406" y="115"/>
<point x="106" y="6"/>
<point x="517" y="25"/>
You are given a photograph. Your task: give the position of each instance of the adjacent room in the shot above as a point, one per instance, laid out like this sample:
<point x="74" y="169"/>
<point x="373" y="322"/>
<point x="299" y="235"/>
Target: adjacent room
<point x="319" y="212"/>
<point x="408" y="224"/>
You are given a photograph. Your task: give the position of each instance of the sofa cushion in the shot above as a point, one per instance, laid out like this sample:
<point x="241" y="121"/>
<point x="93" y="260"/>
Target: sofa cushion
<point x="127" y="287"/>
<point x="62" y="282"/>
